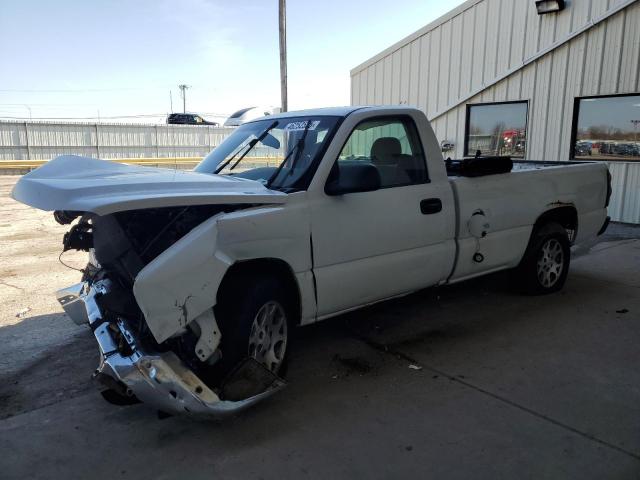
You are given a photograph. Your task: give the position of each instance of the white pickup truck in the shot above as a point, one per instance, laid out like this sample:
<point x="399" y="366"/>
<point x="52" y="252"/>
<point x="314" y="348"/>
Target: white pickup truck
<point x="197" y="278"/>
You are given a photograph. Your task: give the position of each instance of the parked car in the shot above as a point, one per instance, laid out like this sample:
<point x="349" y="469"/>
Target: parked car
<point x="196" y="278"/>
<point x="607" y="148"/>
<point x="188" y="119"/>
<point x="583" y="149"/>
<point x="247" y="114"/>
<point x="627" y="149"/>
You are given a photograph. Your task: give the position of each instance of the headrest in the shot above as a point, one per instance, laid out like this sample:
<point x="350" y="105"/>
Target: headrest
<point x="384" y="149"/>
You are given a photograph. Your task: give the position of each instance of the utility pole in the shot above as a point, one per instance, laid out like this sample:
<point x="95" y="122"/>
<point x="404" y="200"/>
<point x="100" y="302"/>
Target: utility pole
<point x="171" y="101"/>
<point x="282" y="16"/>
<point x="183" y="92"/>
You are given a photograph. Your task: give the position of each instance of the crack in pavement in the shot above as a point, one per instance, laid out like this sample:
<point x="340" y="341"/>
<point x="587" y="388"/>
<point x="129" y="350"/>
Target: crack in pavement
<point x="80" y="394"/>
<point x="608" y="282"/>
<point x="384" y="348"/>
<point x="2" y="282"/>
<point x="616" y="244"/>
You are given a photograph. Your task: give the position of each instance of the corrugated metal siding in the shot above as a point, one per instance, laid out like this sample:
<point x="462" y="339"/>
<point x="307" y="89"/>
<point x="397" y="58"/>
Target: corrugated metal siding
<point x="625" y="199"/>
<point x="482" y="42"/>
<point x="43" y="141"/>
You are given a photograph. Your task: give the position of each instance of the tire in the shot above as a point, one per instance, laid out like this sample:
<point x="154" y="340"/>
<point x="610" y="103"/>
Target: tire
<point x="545" y="264"/>
<point x="255" y="320"/>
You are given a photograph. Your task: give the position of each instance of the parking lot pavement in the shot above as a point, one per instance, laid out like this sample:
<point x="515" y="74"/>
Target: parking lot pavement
<point x="467" y="381"/>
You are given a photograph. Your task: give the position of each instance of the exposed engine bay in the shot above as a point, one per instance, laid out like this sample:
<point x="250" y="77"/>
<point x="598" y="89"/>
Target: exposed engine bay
<point x="124" y="242"/>
<point x="185" y="366"/>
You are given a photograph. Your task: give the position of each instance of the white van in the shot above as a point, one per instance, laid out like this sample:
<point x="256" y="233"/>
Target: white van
<point x="250" y="113"/>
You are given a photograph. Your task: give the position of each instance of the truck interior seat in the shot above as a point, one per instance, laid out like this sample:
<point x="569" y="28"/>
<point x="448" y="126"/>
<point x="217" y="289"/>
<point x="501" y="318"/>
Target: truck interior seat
<point x="386" y="155"/>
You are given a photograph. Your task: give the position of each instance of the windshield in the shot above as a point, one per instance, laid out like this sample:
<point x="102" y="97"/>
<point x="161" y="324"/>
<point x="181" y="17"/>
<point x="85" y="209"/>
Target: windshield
<point x="277" y="153"/>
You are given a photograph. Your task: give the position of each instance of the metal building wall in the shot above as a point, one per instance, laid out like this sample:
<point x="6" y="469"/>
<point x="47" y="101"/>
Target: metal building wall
<point x="477" y="55"/>
<point x="45" y="140"/>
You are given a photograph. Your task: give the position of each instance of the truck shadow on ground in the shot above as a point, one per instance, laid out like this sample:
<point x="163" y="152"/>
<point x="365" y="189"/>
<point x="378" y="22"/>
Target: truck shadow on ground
<point x="362" y="343"/>
<point x="336" y="368"/>
<point x="434" y="316"/>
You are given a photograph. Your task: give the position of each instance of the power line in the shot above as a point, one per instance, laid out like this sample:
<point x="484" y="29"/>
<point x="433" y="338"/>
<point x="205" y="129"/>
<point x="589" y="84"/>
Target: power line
<point x="57" y="105"/>
<point x="113" y="117"/>
<point x="76" y="90"/>
<point x="111" y="89"/>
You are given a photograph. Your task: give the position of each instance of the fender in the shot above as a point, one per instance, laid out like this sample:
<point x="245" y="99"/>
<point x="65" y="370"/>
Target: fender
<point x="182" y="282"/>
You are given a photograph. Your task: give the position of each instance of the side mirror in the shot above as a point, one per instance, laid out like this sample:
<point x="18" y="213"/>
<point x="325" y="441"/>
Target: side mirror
<point x="447" y="145"/>
<point x="353" y="177"/>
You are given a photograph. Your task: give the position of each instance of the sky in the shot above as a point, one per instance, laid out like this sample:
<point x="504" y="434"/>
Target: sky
<point x="617" y="113"/>
<point x="119" y="58"/>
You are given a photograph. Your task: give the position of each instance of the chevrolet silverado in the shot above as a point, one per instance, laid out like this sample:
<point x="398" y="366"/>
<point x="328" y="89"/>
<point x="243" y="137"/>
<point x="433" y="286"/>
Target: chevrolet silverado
<point x="196" y="279"/>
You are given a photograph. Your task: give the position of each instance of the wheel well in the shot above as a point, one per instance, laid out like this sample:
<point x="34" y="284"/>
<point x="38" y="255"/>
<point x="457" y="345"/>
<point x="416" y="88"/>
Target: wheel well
<point x="241" y="272"/>
<point x="566" y="216"/>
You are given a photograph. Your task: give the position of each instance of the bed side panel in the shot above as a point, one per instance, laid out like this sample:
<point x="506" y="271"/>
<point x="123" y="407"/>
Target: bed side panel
<point x="513" y="202"/>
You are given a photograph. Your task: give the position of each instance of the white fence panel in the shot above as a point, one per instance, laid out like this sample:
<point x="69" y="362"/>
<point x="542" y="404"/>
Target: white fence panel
<point x="46" y="140"/>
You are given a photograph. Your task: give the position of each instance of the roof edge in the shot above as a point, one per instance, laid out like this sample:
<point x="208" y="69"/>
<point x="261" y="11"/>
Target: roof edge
<point x="417" y="34"/>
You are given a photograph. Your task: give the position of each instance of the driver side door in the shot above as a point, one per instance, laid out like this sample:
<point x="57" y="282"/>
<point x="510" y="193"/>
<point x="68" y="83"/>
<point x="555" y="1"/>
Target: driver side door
<point x="373" y="245"/>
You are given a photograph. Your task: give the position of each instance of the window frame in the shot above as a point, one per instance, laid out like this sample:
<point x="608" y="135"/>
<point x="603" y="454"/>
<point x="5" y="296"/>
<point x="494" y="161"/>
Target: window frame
<point x="408" y="123"/>
<point x="574" y="127"/>
<point x="467" y="126"/>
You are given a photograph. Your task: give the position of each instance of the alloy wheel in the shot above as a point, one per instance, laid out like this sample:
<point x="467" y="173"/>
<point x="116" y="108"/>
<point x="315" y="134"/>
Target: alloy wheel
<point x="550" y="263"/>
<point x="268" y="337"/>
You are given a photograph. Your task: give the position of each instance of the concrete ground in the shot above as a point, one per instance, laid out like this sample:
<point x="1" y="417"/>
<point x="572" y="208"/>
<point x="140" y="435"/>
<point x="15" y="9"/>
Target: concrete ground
<point x="506" y="386"/>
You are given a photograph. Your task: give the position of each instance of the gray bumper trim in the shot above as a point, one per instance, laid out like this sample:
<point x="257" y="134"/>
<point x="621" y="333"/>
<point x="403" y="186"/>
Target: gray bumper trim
<point x="158" y="379"/>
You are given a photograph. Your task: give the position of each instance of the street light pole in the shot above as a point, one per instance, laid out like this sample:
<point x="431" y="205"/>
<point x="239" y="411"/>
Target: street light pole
<point x="282" y="17"/>
<point x="635" y="124"/>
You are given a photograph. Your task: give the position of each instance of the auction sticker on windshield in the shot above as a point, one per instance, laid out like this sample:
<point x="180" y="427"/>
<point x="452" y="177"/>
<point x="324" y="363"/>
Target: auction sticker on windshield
<point x="294" y="126"/>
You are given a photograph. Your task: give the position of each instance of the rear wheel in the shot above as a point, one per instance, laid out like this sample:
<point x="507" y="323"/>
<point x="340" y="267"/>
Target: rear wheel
<point x="545" y="264"/>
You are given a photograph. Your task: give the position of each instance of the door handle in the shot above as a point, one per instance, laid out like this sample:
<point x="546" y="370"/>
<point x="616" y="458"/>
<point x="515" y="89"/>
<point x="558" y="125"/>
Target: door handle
<point x="430" y="206"/>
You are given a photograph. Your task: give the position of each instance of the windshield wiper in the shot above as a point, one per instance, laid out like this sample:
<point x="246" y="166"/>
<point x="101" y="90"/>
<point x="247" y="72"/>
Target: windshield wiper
<point x="298" y="149"/>
<point x="251" y="144"/>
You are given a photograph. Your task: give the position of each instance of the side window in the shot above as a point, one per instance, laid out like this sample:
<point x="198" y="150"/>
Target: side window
<point x="392" y="146"/>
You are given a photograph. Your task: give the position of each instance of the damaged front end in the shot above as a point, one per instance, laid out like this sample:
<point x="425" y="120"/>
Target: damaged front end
<point x="167" y="359"/>
<point x="161" y="379"/>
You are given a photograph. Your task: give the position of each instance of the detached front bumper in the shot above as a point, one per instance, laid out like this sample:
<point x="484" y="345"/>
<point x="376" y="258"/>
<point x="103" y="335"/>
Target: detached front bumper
<point x="158" y="379"/>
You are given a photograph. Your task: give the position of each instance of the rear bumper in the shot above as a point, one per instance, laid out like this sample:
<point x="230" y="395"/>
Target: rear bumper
<point x="158" y="379"/>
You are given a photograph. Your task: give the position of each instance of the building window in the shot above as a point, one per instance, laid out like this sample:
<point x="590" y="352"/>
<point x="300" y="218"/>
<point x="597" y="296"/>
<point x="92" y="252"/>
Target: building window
<point x="607" y="128"/>
<point x="496" y="129"/>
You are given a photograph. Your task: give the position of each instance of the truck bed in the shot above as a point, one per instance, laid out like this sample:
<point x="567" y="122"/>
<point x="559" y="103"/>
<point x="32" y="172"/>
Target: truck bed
<point x="512" y="202"/>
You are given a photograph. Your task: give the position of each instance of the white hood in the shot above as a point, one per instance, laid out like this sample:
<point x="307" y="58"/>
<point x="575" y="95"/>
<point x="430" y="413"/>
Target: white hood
<point x="85" y="184"/>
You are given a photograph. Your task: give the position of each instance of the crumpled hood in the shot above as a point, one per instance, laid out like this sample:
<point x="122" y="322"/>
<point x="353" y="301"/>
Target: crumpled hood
<point x="83" y="184"/>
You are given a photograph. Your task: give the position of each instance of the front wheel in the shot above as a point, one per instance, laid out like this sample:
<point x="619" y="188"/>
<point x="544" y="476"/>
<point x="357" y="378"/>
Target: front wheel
<point x="255" y="321"/>
<point x="545" y="264"/>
